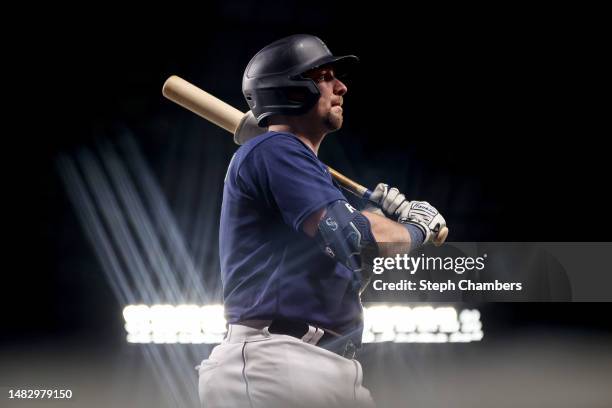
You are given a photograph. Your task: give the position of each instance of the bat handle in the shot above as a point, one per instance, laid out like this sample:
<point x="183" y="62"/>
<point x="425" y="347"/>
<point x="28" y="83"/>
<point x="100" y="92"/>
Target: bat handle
<point x="348" y="184"/>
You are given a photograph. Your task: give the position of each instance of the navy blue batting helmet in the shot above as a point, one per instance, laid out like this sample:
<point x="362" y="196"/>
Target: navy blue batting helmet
<point x="273" y="82"/>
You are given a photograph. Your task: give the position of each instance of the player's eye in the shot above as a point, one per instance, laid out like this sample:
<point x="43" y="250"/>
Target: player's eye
<point x="323" y="76"/>
<point x="326" y="76"/>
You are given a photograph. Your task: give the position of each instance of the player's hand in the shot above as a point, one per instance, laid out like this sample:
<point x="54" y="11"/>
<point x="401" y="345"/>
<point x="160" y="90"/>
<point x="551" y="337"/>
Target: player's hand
<point x="423" y="215"/>
<point x="390" y="200"/>
<point x="420" y="213"/>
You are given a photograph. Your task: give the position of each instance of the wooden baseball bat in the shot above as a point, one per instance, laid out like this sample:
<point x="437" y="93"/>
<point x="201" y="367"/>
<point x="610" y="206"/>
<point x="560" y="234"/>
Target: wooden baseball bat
<point x="226" y="116"/>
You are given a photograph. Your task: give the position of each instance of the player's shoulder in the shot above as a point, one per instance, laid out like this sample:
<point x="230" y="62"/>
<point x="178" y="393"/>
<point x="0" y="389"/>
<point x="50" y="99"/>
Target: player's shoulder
<point x="266" y="152"/>
<point x="273" y="143"/>
<point x="275" y="140"/>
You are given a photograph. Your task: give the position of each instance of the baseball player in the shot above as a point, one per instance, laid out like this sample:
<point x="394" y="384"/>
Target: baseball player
<point x="292" y="249"/>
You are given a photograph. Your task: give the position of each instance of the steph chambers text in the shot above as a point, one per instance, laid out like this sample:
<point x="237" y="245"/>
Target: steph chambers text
<point x="462" y="285"/>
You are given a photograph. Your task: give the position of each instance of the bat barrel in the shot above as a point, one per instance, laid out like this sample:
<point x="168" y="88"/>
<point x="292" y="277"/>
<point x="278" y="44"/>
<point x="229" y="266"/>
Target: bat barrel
<point x="202" y="103"/>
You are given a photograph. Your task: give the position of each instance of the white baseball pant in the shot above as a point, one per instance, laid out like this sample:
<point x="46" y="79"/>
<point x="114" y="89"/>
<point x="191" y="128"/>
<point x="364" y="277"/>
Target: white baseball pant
<point x="253" y="368"/>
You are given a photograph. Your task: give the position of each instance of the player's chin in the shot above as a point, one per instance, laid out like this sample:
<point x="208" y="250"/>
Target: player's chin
<point x="334" y="121"/>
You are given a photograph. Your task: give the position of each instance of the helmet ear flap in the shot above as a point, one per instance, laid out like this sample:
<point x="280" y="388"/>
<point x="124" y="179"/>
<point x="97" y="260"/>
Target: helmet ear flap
<point x="306" y="94"/>
<point x="297" y="96"/>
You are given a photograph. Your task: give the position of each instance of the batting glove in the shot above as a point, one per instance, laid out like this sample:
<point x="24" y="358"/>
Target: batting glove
<point x="419" y="213"/>
<point x="389" y="199"/>
<point x="423" y="215"/>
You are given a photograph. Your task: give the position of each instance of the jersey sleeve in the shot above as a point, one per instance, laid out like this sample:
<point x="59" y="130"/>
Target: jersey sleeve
<point x="289" y="177"/>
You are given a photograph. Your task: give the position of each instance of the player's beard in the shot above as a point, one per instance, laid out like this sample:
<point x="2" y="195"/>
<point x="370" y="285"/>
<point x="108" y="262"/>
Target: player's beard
<point x="333" y="121"/>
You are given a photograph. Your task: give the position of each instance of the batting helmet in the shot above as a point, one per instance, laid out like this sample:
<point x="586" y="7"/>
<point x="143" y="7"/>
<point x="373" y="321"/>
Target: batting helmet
<point x="273" y="82"/>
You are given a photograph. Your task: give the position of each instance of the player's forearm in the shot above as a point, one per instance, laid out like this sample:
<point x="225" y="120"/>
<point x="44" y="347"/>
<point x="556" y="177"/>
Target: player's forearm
<point x="388" y="231"/>
<point x="394" y="235"/>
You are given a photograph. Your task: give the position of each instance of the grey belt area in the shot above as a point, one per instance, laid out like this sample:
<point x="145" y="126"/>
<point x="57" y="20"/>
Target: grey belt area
<point x="261" y="324"/>
<point x="257" y="330"/>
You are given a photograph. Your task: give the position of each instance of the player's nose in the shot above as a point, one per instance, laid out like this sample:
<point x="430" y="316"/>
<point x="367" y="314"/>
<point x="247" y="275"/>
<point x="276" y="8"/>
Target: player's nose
<point x="339" y="87"/>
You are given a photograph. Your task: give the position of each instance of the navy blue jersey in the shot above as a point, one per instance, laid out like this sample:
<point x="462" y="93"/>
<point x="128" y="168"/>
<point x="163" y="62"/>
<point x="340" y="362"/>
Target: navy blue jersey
<point x="269" y="267"/>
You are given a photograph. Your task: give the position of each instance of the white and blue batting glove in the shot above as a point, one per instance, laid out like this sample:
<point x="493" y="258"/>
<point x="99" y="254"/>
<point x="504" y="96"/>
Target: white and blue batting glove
<point x="418" y="213"/>
<point x="388" y="199"/>
<point x="423" y="215"/>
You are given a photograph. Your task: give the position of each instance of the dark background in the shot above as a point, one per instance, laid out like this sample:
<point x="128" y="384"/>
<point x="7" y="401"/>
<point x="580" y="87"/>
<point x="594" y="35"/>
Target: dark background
<point x="497" y="121"/>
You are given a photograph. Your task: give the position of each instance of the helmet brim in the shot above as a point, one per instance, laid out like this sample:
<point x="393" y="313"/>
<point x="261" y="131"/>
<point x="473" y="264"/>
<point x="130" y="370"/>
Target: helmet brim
<point x="343" y="65"/>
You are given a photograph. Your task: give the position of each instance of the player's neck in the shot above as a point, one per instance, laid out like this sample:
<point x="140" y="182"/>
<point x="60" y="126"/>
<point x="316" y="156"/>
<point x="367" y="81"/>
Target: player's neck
<point x="312" y="142"/>
<point x="310" y="137"/>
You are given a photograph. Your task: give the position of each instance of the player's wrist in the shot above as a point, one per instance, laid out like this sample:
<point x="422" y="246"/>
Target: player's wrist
<point x="371" y="208"/>
<point x="417" y="233"/>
